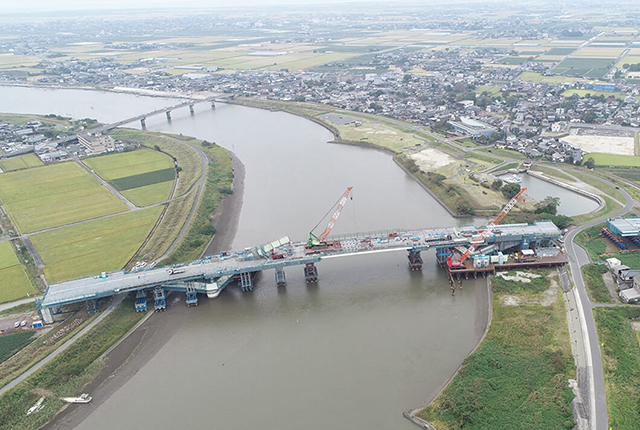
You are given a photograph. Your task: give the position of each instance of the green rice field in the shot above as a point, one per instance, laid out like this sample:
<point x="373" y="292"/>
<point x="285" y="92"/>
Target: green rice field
<point x="53" y="196"/>
<point x="17" y="163"/>
<point x="14" y="282"/>
<point x="93" y="247"/>
<point x="144" y="176"/>
<point x="587" y="67"/>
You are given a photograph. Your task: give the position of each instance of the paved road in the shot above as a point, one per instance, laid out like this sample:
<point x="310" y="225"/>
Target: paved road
<point x="5" y="306"/>
<point x="577" y="258"/>
<point x="204" y="159"/>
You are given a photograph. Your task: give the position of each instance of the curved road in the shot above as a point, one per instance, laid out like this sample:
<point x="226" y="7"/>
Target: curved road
<point x="577" y="258"/>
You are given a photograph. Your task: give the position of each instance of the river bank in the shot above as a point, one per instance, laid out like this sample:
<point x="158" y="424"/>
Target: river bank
<point x="144" y="341"/>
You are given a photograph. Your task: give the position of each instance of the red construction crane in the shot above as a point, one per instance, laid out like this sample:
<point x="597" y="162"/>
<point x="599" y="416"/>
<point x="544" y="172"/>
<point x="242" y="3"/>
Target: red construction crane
<point x="483" y="234"/>
<point x="320" y="240"/>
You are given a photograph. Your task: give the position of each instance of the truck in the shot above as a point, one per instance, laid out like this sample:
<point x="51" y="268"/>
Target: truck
<point x="174" y="271"/>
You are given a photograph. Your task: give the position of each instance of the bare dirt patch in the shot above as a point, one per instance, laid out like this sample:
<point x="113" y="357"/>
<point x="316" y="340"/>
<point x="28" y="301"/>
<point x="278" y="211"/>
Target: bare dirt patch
<point x="546" y="298"/>
<point x="431" y="159"/>
<point x="605" y="144"/>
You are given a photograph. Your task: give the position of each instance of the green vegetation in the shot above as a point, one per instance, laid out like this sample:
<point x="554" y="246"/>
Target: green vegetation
<point x="54" y="196"/>
<point x="145" y="176"/>
<point x="517" y="378"/>
<point x="588" y="67"/>
<point x="631" y="259"/>
<point x="12" y="343"/>
<point x="66" y="374"/>
<point x="537" y="78"/>
<point x="582" y="93"/>
<point x="96" y="246"/>
<point x="17" y="163"/>
<point x="614" y="159"/>
<point x="621" y="363"/>
<point x="14" y="282"/>
<point x="499" y="285"/>
<point x="560" y="51"/>
<point x="592" y="274"/>
<point x="218" y="184"/>
<point x="591" y="240"/>
<point x="506" y="167"/>
<point x="186" y="157"/>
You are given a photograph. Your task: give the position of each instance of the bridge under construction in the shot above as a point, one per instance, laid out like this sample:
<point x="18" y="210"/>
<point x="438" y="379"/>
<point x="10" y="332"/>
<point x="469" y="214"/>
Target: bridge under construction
<point x="500" y="247"/>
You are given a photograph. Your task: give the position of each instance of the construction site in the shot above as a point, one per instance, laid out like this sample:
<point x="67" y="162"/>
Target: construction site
<point x="462" y="251"/>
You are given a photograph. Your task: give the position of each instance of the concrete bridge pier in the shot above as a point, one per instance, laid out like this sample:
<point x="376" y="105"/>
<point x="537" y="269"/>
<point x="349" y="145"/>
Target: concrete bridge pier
<point x="143" y="123"/>
<point x="310" y="273"/>
<point x="46" y="315"/>
<point x="415" y="260"/>
<point x="168" y="113"/>
<point x="191" y="110"/>
<point x="280" y="278"/>
<point x="246" y="281"/>
<point x="213" y="104"/>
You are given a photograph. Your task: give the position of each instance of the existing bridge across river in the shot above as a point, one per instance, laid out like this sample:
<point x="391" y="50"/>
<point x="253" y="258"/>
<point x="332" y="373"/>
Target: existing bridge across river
<point x="212" y="274"/>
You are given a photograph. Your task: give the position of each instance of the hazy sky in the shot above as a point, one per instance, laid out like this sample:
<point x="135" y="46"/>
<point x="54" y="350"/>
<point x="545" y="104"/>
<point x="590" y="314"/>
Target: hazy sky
<point x="53" y="5"/>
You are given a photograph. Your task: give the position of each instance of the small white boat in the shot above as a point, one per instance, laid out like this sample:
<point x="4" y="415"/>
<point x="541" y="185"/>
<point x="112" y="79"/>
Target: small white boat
<point x="84" y="398"/>
<point x="512" y="179"/>
<point x="36" y="407"/>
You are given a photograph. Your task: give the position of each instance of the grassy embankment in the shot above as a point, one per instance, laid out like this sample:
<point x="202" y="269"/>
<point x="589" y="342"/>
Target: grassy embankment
<point x="592" y="275"/>
<point x="218" y="184"/>
<point x="518" y="376"/>
<point x="621" y="364"/>
<point x="66" y="374"/>
<point x="144" y="176"/>
<point x="591" y="240"/>
<point x="219" y="178"/>
<point x="14" y="281"/>
<point x="607" y="193"/>
<point x="95" y="246"/>
<point x="55" y="195"/>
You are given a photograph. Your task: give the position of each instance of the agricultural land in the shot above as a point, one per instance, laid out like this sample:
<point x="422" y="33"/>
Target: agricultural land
<point x="53" y="196"/>
<point x="144" y="176"/>
<point x="14" y="282"/>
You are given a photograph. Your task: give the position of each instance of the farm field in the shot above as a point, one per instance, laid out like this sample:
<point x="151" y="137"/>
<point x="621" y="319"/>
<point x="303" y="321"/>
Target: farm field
<point x="144" y="176"/>
<point x="588" y="67"/>
<point x="537" y="77"/>
<point x="14" y="282"/>
<point x="93" y="247"/>
<point x="187" y="157"/>
<point x="54" y="196"/>
<point x="12" y="343"/>
<point x="17" y="163"/>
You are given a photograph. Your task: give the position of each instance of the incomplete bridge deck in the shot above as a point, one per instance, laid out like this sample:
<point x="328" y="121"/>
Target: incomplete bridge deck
<point x="212" y="273"/>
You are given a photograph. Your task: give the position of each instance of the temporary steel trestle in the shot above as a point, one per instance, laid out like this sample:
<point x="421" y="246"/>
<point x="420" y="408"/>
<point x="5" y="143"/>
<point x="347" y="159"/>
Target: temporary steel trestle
<point x="192" y="296"/>
<point x="310" y="273"/>
<point x="160" y="298"/>
<point x="92" y="305"/>
<point x="280" y="278"/>
<point x="415" y="260"/>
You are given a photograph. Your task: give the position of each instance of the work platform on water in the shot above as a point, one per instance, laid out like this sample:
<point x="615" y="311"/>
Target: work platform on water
<point x="212" y="274"/>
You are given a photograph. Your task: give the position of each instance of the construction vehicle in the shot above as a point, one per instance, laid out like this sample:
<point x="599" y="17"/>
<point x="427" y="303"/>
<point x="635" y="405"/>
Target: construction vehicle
<point x="479" y="239"/>
<point x="314" y="240"/>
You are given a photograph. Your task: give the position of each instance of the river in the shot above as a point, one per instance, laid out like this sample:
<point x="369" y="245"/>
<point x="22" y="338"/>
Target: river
<point x="370" y="340"/>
